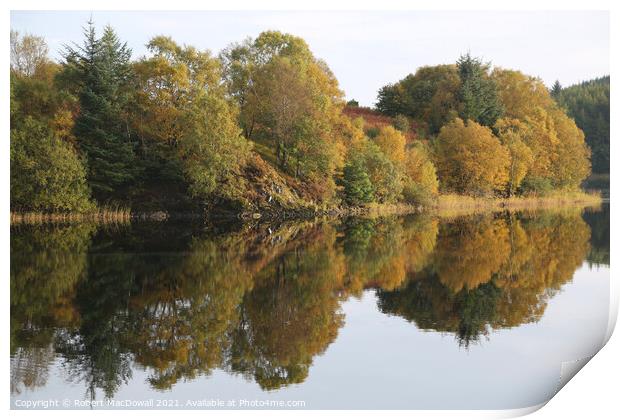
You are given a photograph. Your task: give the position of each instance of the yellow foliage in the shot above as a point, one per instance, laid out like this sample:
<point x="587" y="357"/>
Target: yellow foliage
<point x="559" y="153"/>
<point x="573" y="154"/>
<point x="520" y="93"/>
<point x="471" y="253"/>
<point x="392" y="143"/>
<point x="512" y="133"/>
<point x="470" y="159"/>
<point x="420" y="169"/>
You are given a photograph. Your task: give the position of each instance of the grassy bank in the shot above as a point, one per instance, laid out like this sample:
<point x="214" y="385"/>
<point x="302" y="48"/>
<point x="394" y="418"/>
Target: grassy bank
<point x="453" y="205"/>
<point x="448" y="205"/>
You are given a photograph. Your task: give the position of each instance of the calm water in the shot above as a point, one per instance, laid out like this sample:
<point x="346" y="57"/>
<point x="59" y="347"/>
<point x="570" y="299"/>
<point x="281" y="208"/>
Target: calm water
<point x="412" y="312"/>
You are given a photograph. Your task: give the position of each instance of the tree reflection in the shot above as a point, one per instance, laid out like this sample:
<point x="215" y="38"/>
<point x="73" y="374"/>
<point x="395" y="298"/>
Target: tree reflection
<point x="95" y="352"/>
<point x="181" y="318"/>
<point x="47" y="262"/>
<point x="291" y="314"/>
<point x="599" y="224"/>
<point x="380" y="252"/>
<point x="470" y="251"/>
<point x="492" y="272"/>
<point x="263" y="301"/>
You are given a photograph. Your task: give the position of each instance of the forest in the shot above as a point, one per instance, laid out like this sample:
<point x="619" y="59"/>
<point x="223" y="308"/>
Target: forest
<point x="588" y="104"/>
<point x="264" y="127"/>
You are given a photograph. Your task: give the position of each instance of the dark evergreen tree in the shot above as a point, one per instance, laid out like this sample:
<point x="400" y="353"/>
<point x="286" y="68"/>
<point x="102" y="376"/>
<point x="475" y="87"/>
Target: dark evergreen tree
<point x="101" y="67"/>
<point x="478" y="93"/>
<point x="556" y="89"/>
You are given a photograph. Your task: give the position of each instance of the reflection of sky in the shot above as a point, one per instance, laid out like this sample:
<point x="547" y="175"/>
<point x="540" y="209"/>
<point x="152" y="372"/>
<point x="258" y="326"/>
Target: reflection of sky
<point x="381" y="361"/>
<point x="367" y="50"/>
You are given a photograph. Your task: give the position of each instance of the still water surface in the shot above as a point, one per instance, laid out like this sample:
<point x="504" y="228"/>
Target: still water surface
<point x="474" y="312"/>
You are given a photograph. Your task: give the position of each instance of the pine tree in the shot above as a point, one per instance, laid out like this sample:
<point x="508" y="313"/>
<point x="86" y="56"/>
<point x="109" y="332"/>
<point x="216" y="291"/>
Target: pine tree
<point x="478" y="93"/>
<point x="556" y="89"/>
<point x="102" y="70"/>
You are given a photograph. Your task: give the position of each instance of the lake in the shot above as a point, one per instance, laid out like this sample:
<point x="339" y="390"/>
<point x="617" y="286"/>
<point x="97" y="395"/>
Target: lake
<point x="414" y="312"/>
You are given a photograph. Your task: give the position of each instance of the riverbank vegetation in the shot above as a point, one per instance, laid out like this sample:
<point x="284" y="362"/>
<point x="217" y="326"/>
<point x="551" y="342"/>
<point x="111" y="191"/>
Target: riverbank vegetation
<point x="452" y="204"/>
<point x="263" y="127"/>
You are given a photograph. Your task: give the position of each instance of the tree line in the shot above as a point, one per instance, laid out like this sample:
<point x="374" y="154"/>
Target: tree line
<point x="181" y="128"/>
<point x="491" y="131"/>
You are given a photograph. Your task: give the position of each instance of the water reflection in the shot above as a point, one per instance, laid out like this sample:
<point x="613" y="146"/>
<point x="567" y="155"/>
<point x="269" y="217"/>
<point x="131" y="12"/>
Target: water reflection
<point x="263" y="301"/>
<point x="491" y="273"/>
<point x="599" y="224"/>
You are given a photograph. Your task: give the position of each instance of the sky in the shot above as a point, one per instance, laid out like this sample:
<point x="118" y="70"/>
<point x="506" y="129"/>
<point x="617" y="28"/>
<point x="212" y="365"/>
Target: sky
<point x="368" y="49"/>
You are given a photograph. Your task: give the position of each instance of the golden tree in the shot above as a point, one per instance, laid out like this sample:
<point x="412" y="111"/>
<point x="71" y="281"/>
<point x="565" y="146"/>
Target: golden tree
<point x="470" y="159"/>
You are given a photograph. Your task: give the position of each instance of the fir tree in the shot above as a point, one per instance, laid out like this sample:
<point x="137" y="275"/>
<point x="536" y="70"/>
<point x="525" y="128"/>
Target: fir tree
<point x="556" y="89"/>
<point x="102" y="70"/>
<point x="478" y="93"/>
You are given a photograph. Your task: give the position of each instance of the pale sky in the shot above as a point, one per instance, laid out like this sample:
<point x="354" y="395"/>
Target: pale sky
<point x="369" y="49"/>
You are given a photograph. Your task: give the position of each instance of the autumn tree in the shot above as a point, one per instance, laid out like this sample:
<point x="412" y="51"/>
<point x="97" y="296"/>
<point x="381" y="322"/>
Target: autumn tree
<point x="187" y="128"/>
<point x="519" y="93"/>
<point x="559" y="155"/>
<point x="28" y="53"/>
<point x="546" y="151"/>
<point x="421" y="185"/>
<point x="572" y="165"/>
<point x="513" y="134"/>
<point x="561" y="158"/>
<point x="470" y="159"/>
<point x="46" y="173"/>
<point x="36" y="91"/>
<point x="392" y="143"/>
<point x="290" y="100"/>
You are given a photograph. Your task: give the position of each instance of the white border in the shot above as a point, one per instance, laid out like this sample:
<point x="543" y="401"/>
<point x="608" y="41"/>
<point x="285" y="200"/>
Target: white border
<point x="592" y="393"/>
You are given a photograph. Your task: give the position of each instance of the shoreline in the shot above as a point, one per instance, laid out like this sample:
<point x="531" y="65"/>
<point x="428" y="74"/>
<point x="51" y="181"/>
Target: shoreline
<point x="448" y="205"/>
<point x="456" y="205"/>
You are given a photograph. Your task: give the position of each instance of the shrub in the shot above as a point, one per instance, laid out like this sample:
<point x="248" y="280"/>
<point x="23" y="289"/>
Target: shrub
<point x="372" y="132"/>
<point x="401" y="123"/>
<point x="46" y="173"/>
<point x="536" y="185"/>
